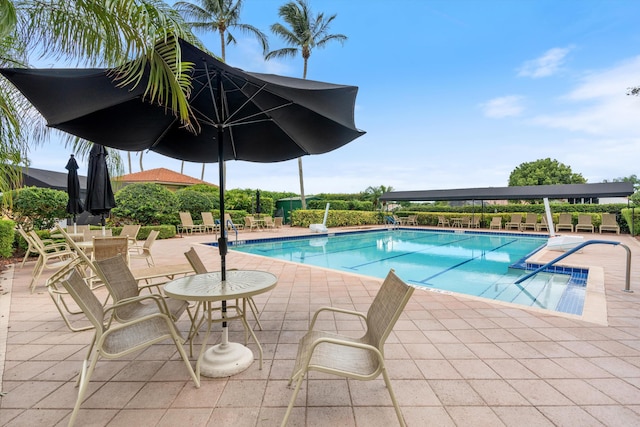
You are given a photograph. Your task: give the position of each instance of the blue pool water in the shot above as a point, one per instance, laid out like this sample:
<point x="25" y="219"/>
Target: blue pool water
<point x="473" y="263"/>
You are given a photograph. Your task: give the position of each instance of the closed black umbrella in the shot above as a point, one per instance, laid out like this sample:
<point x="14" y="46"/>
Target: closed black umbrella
<point x="258" y="207"/>
<point x="100" y="198"/>
<point x="74" y="205"/>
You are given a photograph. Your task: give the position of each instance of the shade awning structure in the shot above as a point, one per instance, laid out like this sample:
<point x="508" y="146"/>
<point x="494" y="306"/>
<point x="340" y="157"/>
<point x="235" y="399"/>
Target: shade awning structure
<point x="562" y="191"/>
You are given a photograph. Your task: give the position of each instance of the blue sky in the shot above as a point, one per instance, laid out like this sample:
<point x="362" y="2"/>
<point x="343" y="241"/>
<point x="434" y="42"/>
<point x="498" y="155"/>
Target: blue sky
<point x="452" y="93"/>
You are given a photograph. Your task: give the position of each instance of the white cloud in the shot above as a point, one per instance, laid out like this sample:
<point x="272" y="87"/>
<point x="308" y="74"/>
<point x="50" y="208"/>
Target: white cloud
<point x="505" y="106"/>
<point x="247" y="55"/>
<point x="601" y="104"/>
<point x="546" y="65"/>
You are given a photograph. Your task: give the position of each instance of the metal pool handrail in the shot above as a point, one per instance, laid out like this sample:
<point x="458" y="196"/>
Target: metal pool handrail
<point x="627" y="287"/>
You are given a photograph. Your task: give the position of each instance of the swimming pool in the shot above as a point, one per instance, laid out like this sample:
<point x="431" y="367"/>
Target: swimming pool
<point x="473" y="263"/>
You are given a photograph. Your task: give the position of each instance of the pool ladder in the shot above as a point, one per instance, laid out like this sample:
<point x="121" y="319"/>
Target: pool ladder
<point x="627" y="286"/>
<point x="232" y="225"/>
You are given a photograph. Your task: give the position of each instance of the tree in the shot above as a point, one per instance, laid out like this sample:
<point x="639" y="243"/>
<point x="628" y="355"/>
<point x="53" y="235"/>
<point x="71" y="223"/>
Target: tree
<point x="307" y="33"/>
<point x="220" y="16"/>
<point x="92" y="33"/>
<point x="544" y="172"/>
<point x="373" y="194"/>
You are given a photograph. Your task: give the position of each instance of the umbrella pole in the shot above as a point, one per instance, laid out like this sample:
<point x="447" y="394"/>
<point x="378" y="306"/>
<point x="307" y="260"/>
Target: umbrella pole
<point x="226" y="358"/>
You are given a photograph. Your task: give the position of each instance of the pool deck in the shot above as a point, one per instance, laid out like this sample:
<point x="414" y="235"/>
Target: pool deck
<point x="453" y="360"/>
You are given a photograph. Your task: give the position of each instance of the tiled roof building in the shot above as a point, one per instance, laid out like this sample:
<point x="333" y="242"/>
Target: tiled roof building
<point x="168" y="178"/>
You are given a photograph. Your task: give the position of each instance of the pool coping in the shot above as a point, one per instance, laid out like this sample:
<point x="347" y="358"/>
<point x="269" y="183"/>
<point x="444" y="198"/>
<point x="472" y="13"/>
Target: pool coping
<point x="594" y="307"/>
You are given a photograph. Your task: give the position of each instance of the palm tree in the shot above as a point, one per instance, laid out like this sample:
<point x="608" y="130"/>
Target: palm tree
<point x="92" y="33"/>
<point x="307" y="32"/>
<point x="374" y="193"/>
<point x="220" y="16"/>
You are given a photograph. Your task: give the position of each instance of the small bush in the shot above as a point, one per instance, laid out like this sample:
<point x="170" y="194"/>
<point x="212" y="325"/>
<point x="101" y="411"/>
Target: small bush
<point x="145" y="204"/>
<point x="7" y="237"/>
<point x="38" y="208"/>
<point x="194" y="202"/>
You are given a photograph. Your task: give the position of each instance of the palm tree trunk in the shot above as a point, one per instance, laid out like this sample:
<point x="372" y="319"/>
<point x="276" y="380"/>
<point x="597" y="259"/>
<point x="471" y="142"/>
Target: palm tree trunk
<point x="202" y="173"/>
<point x="302" y="198"/>
<point x="129" y="159"/>
<point x="141" y="168"/>
<point x="182" y="167"/>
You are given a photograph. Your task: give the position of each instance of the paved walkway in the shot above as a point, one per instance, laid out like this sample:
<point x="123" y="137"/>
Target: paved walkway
<point x="453" y="360"/>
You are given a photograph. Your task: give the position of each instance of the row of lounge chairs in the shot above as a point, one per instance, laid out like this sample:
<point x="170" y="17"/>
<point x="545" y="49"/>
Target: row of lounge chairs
<point x="210" y="225"/>
<point x="585" y="223"/>
<point x="565" y="222"/>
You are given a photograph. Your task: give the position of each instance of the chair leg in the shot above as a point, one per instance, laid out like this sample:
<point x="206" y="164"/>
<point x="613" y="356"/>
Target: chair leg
<point x="393" y="396"/>
<point x="183" y="354"/>
<point x="37" y="271"/>
<point x="85" y="375"/>
<point x="292" y="401"/>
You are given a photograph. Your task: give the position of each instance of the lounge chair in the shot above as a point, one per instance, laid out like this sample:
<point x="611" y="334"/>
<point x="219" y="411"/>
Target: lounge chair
<point x="277" y="222"/>
<point x="609" y="223"/>
<point x="350" y="357"/>
<point x="496" y="223"/>
<point x="116" y="340"/>
<point x="514" y="222"/>
<point x="31" y="246"/>
<point x="565" y="222"/>
<point x="531" y="221"/>
<point x="250" y="223"/>
<point x="209" y="223"/>
<point x="187" y="225"/>
<point x="268" y="222"/>
<point x="123" y="285"/>
<point x="51" y="256"/>
<point x="474" y="222"/>
<point x="585" y="222"/>
<point x="73" y="317"/>
<point x="443" y="221"/>
<point x="131" y="231"/>
<point x="144" y="251"/>
<point x="412" y="220"/>
<point x="465" y="221"/>
<point x="542" y="224"/>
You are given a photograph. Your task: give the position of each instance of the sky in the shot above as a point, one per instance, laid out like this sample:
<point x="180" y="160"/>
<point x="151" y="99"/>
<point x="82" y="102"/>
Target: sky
<point x="452" y="93"/>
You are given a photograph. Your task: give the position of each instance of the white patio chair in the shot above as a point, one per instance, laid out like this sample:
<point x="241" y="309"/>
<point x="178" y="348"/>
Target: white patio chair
<point x="356" y="358"/>
<point x="113" y="340"/>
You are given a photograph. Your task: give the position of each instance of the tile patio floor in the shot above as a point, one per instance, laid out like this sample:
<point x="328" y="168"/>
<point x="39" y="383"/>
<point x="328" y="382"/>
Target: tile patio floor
<point x="453" y="360"/>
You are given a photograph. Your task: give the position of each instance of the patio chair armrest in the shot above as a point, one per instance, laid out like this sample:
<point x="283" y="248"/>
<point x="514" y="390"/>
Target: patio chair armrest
<point x="335" y="310"/>
<point x="56" y="247"/>
<point x="158" y="299"/>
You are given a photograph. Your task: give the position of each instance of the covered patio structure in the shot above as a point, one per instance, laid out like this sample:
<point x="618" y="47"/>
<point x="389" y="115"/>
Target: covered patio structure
<point x="529" y="192"/>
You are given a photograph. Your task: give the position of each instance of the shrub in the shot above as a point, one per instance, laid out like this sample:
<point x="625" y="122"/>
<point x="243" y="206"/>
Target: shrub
<point x="145" y="204"/>
<point x="194" y="202"/>
<point x="7" y="237"/>
<point x="38" y="208"/>
<point x="335" y="218"/>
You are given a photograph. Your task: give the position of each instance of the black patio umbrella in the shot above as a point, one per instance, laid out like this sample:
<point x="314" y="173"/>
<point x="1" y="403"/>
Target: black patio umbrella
<point x="100" y="198"/>
<point x="240" y="115"/>
<point x="74" y="205"/>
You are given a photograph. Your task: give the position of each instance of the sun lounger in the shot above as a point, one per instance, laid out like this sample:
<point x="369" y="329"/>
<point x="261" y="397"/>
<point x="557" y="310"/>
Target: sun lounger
<point x="585" y="223"/>
<point x="609" y="223"/>
<point x="515" y="222"/>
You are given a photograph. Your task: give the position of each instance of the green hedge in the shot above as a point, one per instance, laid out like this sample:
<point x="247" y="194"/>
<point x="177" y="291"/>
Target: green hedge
<point x="7" y="237"/>
<point x="335" y="218"/>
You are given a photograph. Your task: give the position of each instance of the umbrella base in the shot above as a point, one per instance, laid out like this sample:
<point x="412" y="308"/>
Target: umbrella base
<point x="224" y="360"/>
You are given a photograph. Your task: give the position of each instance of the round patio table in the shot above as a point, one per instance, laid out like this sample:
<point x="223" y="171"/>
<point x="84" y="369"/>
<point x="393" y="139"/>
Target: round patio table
<point x="227" y="358"/>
